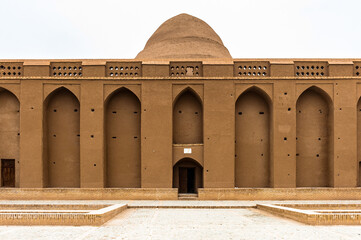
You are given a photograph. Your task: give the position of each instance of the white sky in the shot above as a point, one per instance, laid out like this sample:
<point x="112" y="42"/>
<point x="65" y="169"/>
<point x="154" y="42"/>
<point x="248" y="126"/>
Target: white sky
<point x="120" y="29"/>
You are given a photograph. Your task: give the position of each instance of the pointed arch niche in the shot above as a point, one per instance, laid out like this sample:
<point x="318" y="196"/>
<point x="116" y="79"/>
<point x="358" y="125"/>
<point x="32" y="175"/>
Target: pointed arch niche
<point x="314" y="121"/>
<point x="359" y="143"/>
<point x="187" y="118"/>
<point x="62" y="139"/>
<point x="9" y="138"/>
<point x="123" y="156"/>
<point x="252" y="159"/>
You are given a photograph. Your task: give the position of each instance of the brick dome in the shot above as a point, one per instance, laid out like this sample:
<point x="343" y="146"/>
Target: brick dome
<point x="184" y="36"/>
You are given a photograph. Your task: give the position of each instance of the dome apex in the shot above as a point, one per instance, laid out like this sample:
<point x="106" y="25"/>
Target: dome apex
<point x="184" y="36"/>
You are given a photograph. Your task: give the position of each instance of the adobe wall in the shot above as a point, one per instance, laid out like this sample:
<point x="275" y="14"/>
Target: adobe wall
<point x="280" y="89"/>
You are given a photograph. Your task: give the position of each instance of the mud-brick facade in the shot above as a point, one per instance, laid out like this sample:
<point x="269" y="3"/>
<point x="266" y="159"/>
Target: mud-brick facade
<point x="182" y="114"/>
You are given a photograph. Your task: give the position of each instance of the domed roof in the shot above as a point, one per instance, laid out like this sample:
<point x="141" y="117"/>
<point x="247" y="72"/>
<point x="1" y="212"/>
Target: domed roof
<point x="184" y="36"/>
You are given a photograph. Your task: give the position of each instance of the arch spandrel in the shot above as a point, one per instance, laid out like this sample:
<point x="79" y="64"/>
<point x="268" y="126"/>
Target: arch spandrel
<point x="195" y="159"/>
<point x="265" y="90"/>
<point x="109" y="90"/>
<point x="12" y="88"/>
<point x="49" y="89"/>
<point x="196" y="89"/>
<point x="326" y="90"/>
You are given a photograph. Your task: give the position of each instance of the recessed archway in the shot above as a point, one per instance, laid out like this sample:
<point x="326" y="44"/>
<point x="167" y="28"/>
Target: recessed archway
<point x="252" y="143"/>
<point x="187" y="119"/>
<point x="9" y="139"/>
<point x="62" y="139"/>
<point x="122" y="124"/>
<point x="187" y="176"/>
<point x="313" y="130"/>
<point x="359" y="142"/>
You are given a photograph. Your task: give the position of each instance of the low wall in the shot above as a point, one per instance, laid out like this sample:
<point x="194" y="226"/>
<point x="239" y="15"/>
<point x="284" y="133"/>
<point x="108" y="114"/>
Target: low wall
<point x="314" y="217"/>
<point x="88" y="194"/>
<point x="279" y="194"/>
<point x="172" y="194"/>
<point x="27" y="217"/>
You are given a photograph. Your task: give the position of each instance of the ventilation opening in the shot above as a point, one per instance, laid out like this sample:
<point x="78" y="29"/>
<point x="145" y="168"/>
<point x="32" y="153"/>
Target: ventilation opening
<point x="185" y="69"/>
<point x="251" y="69"/>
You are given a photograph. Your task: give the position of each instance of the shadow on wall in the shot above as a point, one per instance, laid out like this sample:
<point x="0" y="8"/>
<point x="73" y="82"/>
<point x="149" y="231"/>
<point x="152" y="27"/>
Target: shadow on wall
<point x="62" y="139"/>
<point x="314" y="122"/>
<point x="9" y="138"/>
<point x="359" y="142"/>
<point x="122" y="126"/>
<point x="187" y="118"/>
<point x="252" y="159"/>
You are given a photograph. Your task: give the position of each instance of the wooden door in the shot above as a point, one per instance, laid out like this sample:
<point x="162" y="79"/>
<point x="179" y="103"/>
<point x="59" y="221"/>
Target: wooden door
<point x="182" y="180"/>
<point x="7" y="172"/>
<point x="191" y="180"/>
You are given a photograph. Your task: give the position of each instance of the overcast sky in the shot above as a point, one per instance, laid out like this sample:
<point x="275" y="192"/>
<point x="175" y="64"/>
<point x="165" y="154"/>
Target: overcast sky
<point x="119" y="29"/>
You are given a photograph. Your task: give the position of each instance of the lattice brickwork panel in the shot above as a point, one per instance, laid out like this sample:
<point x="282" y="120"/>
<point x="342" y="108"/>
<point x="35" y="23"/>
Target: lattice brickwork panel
<point x="357" y="69"/>
<point x="11" y="69"/>
<point x="186" y="69"/>
<point x="311" y="69"/>
<point x="66" y="69"/>
<point x="124" y="69"/>
<point x="252" y="69"/>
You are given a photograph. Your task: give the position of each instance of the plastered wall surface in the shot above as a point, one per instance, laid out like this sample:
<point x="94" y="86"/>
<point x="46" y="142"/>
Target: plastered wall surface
<point x="229" y="156"/>
<point x="127" y="123"/>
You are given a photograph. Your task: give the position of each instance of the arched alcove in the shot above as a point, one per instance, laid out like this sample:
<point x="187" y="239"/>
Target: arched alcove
<point x="187" y="119"/>
<point x="9" y="139"/>
<point x="252" y="159"/>
<point x="62" y="139"/>
<point x="313" y="120"/>
<point x="359" y="142"/>
<point x="187" y="176"/>
<point x="122" y="124"/>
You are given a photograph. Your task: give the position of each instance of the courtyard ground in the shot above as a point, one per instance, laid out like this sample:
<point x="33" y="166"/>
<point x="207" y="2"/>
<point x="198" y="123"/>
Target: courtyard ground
<point x="186" y="220"/>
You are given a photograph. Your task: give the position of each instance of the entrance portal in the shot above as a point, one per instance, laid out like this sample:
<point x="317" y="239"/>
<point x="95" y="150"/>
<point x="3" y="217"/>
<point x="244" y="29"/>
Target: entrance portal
<point x="8" y="172"/>
<point x="187" y="176"/>
<point x="187" y="180"/>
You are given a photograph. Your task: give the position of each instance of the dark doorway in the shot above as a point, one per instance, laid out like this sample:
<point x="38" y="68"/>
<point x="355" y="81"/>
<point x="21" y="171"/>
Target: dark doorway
<point x="187" y="176"/>
<point x="8" y="172"/>
<point x="187" y="180"/>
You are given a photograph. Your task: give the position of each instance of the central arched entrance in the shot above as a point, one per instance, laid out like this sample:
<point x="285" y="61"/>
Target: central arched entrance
<point x="187" y="176"/>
